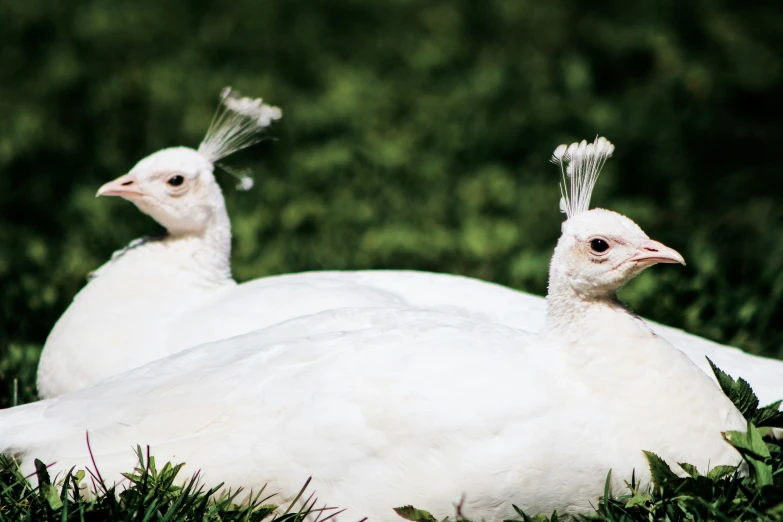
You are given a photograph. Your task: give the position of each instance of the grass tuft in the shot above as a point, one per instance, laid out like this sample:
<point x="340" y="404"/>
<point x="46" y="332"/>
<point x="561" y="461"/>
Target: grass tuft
<point x="153" y="495"/>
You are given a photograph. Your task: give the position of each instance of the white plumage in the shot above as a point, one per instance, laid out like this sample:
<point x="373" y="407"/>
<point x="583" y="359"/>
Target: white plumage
<point x="160" y="296"/>
<point x="385" y="407"/>
<point x="121" y="318"/>
<point x="279" y="298"/>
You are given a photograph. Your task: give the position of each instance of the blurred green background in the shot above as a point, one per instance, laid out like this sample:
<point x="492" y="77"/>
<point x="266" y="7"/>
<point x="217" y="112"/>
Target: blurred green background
<point x="416" y="134"/>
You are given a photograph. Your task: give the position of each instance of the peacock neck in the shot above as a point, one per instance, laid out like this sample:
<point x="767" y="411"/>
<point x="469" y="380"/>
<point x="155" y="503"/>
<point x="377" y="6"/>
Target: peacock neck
<point x="208" y="249"/>
<point x="571" y="313"/>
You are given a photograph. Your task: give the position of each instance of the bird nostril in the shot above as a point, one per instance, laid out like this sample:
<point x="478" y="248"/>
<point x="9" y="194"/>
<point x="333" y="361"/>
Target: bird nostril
<point x="650" y="249"/>
<point x="129" y="182"/>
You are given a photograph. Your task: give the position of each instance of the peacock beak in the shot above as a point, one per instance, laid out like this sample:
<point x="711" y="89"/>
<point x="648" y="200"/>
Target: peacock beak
<point x="651" y="252"/>
<point x="126" y="186"/>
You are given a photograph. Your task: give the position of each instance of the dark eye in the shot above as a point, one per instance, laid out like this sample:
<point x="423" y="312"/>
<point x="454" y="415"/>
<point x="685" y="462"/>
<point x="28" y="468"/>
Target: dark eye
<point x="176" y="181"/>
<point x="599" y="245"/>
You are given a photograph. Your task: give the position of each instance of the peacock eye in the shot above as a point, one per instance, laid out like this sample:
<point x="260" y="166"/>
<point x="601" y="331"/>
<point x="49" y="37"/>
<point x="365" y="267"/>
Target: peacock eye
<point x="599" y="245"/>
<point x="176" y="180"/>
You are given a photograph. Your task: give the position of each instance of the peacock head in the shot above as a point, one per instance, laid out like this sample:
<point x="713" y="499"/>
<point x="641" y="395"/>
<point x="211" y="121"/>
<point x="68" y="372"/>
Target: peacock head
<point x="177" y="186"/>
<point x="598" y="250"/>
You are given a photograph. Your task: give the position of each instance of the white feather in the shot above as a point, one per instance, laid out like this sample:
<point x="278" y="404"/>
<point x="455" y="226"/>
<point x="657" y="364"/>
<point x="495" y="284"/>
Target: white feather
<point x="237" y="124"/>
<point x="580" y="164"/>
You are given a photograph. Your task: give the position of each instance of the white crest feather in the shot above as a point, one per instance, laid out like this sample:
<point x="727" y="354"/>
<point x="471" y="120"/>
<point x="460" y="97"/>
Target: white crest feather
<point x="243" y="175"/>
<point x="238" y="123"/>
<point x="580" y="164"/>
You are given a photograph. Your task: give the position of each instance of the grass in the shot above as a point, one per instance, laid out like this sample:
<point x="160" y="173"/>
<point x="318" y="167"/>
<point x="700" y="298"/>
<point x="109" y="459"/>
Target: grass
<point x="723" y="494"/>
<point x="18" y="366"/>
<point x="153" y="495"/>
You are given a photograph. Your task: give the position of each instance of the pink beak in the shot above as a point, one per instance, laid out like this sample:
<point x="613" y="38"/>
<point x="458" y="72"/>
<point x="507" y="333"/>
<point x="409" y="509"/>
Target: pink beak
<point x="652" y="252"/>
<point x="126" y="186"/>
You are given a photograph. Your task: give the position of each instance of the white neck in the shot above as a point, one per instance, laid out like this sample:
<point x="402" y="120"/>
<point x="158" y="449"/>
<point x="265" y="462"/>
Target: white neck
<point x="571" y="314"/>
<point x="210" y="249"/>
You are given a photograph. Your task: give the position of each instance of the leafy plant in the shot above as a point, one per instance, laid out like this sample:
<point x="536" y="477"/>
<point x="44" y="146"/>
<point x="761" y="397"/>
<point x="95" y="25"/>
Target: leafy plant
<point x="741" y="394"/>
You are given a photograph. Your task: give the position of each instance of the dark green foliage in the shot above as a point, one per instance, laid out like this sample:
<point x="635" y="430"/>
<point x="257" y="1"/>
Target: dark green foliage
<point x="755" y="450"/>
<point x="739" y="391"/>
<point x="416" y="134"/>
<point x="741" y="394"/>
<point x="152" y="495"/>
<point x="18" y="364"/>
<point x="721" y="494"/>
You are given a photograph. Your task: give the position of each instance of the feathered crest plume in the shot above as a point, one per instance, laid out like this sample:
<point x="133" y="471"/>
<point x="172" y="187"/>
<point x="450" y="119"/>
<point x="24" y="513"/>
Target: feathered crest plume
<point x="580" y="164"/>
<point x="237" y="124"/>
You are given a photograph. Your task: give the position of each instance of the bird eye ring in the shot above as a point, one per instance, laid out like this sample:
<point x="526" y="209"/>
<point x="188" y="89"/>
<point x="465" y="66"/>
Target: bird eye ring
<point x="598" y="245"/>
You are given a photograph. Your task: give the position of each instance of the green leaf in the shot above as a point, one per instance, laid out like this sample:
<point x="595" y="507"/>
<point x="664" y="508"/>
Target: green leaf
<point x="52" y="497"/>
<point x="739" y="391"/>
<point x="638" y="499"/>
<point x="755" y="451"/>
<point x="526" y="517"/>
<point x="690" y="469"/>
<point x="719" y="472"/>
<point x="41" y="473"/>
<point x="417" y="515"/>
<point x="749" y="442"/>
<point x="608" y="486"/>
<point x="660" y="471"/>
<point x="769" y="416"/>
<point x="45" y="488"/>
